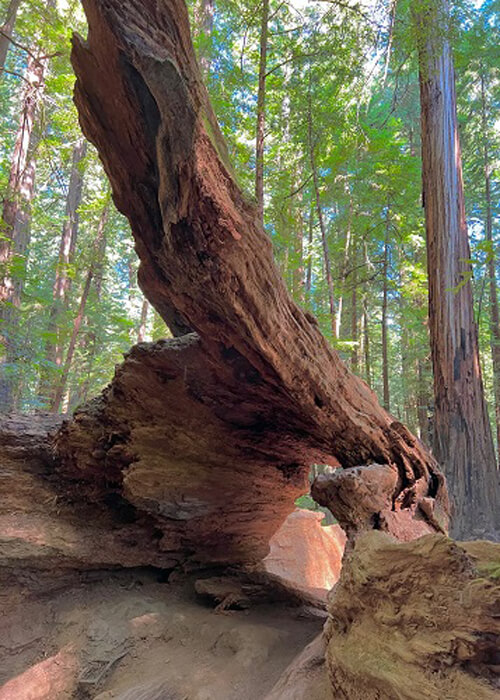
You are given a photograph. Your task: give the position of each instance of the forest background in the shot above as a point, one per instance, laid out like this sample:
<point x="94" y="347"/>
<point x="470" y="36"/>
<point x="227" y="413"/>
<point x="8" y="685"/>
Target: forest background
<point x="319" y="103"/>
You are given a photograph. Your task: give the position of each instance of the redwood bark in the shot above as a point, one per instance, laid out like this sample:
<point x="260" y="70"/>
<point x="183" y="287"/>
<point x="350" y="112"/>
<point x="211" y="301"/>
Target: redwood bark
<point x="463" y="442"/>
<point x="257" y="376"/>
<point x="6" y="31"/>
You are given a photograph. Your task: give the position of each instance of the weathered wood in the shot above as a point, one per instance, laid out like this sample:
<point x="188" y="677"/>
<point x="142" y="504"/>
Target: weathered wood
<point x="462" y="433"/>
<point x="268" y="383"/>
<point x="415" y="620"/>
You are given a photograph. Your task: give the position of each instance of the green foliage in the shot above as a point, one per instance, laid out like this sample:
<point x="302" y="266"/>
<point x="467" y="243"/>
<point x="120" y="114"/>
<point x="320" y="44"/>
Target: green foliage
<point x="357" y="76"/>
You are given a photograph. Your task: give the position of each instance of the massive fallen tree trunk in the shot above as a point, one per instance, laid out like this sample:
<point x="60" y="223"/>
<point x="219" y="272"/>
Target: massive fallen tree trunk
<point x="254" y="390"/>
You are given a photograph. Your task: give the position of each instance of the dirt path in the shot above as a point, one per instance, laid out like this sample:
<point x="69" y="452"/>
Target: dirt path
<point x="165" y="643"/>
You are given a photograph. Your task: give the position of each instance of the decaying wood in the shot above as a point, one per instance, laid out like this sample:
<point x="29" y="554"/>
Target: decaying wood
<point x="159" y="439"/>
<point x="416" y="620"/>
<point x="268" y="394"/>
<point x="49" y="533"/>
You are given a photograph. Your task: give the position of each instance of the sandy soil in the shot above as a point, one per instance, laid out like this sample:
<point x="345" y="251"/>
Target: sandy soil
<point x="126" y="635"/>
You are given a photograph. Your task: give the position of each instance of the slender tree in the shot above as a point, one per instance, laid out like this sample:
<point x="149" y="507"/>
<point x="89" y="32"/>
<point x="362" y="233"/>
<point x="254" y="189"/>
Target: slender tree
<point x="491" y="264"/>
<point x="6" y="30"/>
<point x="16" y="220"/>
<point x="93" y="272"/>
<point x="261" y="111"/>
<point x="321" y="219"/>
<point x="62" y="281"/>
<point x="385" y="304"/>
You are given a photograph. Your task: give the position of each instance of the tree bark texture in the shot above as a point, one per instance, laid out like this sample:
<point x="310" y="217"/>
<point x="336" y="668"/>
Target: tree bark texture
<point x="255" y="380"/>
<point x="463" y="442"/>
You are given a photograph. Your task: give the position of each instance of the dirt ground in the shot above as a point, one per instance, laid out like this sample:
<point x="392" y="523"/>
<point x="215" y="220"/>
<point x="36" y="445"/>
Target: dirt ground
<point x="126" y="635"/>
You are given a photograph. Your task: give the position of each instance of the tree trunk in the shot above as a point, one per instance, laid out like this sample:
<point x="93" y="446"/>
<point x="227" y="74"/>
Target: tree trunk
<point x="492" y="258"/>
<point x="141" y="334"/>
<point x="347" y="248"/>
<point x="261" y="112"/>
<point x="310" y="232"/>
<point x="215" y="431"/>
<point x="319" y="211"/>
<point x="62" y="282"/>
<point x="6" y="31"/>
<point x="99" y="244"/>
<point x="423" y="405"/>
<point x="366" y="327"/>
<point x="385" y="341"/>
<point x="354" y="311"/>
<point x="463" y="441"/>
<point x="16" y="219"/>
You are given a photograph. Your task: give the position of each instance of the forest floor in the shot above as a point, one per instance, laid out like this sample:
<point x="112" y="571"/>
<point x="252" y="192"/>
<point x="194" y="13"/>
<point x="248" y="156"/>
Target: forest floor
<point x="126" y="635"/>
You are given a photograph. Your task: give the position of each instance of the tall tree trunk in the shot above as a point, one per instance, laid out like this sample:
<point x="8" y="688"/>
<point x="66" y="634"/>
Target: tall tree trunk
<point x="15" y="225"/>
<point x="261" y="112"/>
<point x="385" y="340"/>
<point x="6" y="31"/>
<point x="62" y="282"/>
<point x="423" y="404"/>
<point x="310" y="231"/>
<point x="492" y="258"/>
<point x="463" y="442"/>
<point x="366" y="344"/>
<point x="298" y="258"/>
<point x="141" y="333"/>
<point x="319" y="212"/>
<point x="354" y="310"/>
<point x="99" y="245"/>
<point x="345" y="262"/>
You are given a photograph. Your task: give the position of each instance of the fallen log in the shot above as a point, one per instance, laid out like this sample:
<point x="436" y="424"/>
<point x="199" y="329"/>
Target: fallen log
<point x="267" y="393"/>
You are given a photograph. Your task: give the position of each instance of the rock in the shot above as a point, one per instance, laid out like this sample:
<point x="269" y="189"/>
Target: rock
<point x="416" y="620"/>
<point x="306" y="554"/>
<point x="54" y="678"/>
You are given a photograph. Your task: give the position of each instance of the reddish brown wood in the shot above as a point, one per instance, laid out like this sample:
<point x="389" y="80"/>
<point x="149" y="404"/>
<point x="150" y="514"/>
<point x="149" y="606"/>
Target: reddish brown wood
<point x="462" y="435"/>
<point x="278" y="397"/>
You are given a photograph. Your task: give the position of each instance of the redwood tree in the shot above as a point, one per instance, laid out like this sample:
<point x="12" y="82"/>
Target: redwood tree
<point x="463" y="441"/>
<point x="256" y="378"/>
